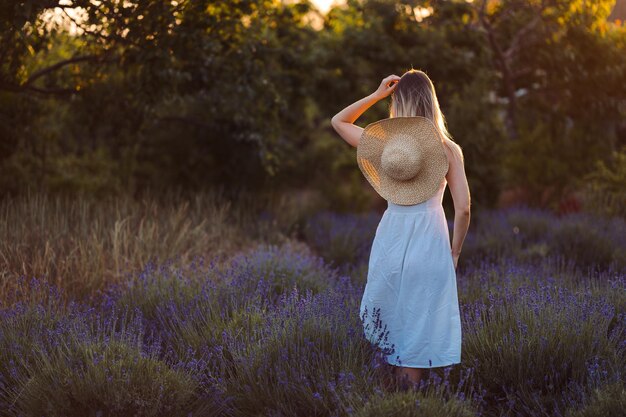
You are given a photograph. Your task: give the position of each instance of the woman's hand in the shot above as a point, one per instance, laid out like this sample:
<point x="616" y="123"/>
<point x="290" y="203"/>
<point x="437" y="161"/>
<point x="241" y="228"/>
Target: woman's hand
<point x="455" y="259"/>
<point x="387" y="86"/>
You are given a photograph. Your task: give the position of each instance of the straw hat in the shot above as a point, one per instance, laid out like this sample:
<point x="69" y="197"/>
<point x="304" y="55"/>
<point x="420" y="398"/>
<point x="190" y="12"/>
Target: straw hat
<point x="403" y="158"/>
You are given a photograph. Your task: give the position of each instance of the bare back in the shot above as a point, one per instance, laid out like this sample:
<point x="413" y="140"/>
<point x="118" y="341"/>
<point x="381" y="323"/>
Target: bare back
<point x="457" y="180"/>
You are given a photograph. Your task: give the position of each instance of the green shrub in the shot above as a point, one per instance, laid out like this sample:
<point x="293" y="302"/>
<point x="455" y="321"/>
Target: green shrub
<point x="605" y="187"/>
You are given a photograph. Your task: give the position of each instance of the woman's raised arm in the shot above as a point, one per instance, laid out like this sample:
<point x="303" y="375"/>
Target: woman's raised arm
<point x="343" y="122"/>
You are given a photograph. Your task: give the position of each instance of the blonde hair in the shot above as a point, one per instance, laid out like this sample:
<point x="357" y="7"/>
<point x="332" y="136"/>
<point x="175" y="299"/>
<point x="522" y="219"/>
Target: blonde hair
<point x="415" y="96"/>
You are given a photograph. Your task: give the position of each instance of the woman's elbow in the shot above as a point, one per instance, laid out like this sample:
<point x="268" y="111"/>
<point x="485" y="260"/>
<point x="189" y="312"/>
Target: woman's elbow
<point x="463" y="210"/>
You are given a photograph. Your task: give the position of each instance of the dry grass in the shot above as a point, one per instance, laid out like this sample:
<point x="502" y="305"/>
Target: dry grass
<point x="81" y="244"/>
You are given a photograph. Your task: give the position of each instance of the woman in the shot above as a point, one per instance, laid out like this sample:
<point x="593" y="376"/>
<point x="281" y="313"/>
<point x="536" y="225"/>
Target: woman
<point x="411" y="284"/>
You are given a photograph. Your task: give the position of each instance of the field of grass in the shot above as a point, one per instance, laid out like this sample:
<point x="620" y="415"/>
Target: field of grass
<point x="215" y="308"/>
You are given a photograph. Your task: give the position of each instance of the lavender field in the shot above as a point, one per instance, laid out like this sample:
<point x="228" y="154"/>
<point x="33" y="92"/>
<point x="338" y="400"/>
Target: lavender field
<point x="186" y="220"/>
<point x="213" y="310"/>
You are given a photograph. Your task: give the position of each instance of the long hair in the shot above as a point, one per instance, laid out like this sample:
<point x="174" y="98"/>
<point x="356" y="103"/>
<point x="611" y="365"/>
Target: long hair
<point x="415" y="96"/>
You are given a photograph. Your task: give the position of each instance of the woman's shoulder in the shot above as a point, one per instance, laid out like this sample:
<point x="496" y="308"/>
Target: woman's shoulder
<point x="453" y="150"/>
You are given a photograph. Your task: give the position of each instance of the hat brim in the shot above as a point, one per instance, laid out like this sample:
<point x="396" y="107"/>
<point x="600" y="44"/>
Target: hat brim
<point x="425" y="137"/>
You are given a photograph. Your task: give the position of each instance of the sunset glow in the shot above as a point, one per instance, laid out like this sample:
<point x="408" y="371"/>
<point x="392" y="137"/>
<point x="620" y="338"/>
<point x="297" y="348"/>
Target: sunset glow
<point x="325" y="5"/>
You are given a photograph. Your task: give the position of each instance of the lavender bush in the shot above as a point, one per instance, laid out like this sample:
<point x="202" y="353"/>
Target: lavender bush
<point x="274" y="331"/>
<point x="609" y="400"/>
<point x="531" y="234"/>
<point x="534" y="348"/>
<point x="415" y="404"/>
<point x="524" y="234"/>
<point x="343" y="240"/>
<point x="75" y="361"/>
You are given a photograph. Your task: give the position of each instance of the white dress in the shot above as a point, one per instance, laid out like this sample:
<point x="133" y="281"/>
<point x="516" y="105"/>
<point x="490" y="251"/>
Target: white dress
<point x="410" y="303"/>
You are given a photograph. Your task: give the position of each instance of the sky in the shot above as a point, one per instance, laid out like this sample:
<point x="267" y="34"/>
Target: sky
<point x="57" y="14"/>
<point x="324" y="5"/>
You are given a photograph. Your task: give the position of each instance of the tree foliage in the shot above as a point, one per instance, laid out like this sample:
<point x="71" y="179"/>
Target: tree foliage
<point x="134" y="95"/>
